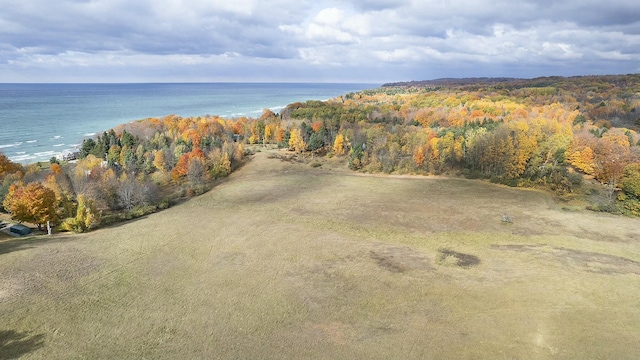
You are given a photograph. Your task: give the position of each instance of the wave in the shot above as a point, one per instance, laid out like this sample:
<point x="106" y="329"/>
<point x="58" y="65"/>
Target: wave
<point x="68" y="150"/>
<point x="21" y="158"/>
<point x="57" y="145"/>
<point x="88" y="134"/>
<point x="15" y="144"/>
<point x="56" y="137"/>
<point x="254" y="113"/>
<point x="31" y="141"/>
<point x="44" y="153"/>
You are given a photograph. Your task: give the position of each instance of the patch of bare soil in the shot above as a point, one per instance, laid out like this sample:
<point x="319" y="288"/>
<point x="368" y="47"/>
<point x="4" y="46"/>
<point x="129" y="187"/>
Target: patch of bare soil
<point x="400" y="259"/>
<point x="453" y="258"/>
<point x="285" y="157"/>
<point x="334" y="332"/>
<point x="583" y="260"/>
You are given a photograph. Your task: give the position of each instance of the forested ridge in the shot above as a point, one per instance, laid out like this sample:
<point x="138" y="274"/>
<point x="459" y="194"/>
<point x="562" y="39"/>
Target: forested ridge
<point x="548" y="132"/>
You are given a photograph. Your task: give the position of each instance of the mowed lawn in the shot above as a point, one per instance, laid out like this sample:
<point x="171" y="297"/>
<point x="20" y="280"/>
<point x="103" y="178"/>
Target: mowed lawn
<point x="283" y="260"/>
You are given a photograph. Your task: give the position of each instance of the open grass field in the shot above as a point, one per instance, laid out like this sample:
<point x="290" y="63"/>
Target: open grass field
<point x="284" y="260"/>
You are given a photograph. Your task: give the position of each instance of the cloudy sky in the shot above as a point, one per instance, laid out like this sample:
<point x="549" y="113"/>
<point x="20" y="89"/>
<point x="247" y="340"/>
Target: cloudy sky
<point x="370" y="41"/>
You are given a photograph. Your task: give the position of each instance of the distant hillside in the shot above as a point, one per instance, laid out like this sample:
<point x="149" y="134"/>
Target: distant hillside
<point x="451" y="82"/>
<point x="629" y="80"/>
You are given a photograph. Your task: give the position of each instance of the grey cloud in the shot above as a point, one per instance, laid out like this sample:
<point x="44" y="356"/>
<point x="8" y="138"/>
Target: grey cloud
<point x="287" y="39"/>
<point x="378" y="5"/>
<point x="81" y="27"/>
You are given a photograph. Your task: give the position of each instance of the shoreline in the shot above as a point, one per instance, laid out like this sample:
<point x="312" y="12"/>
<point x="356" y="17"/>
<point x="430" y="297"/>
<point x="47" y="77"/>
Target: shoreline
<point x="46" y="120"/>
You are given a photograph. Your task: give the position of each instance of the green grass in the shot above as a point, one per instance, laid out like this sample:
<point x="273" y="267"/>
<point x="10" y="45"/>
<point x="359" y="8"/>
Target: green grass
<point x="288" y="261"/>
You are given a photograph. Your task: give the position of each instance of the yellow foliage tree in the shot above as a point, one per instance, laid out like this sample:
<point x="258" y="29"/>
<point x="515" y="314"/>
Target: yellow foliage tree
<point x="64" y="202"/>
<point x="87" y="216"/>
<point x="159" y="161"/>
<point x="583" y="160"/>
<point x="418" y="156"/>
<point x="458" y="148"/>
<point x="221" y="166"/>
<point x="525" y="144"/>
<point x="84" y="166"/>
<point x="268" y="132"/>
<point x="296" y="142"/>
<point x="338" y="145"/>
<point x="434" y="147"/>
<point x="239" y="152"/>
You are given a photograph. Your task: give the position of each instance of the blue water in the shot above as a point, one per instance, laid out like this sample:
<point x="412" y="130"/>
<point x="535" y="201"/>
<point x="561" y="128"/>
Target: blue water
<point x="38" y="121"/>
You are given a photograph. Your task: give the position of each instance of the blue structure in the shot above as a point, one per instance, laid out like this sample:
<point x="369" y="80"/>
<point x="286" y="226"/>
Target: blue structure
<point x="20" y="229"/>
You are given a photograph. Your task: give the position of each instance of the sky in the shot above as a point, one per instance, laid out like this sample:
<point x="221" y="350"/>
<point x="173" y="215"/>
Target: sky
<point x="350" y="41"/>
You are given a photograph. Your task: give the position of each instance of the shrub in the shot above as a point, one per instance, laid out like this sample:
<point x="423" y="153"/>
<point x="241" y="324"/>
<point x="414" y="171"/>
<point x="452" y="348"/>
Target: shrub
<point x="141" y="210"/>
<point x="355" y="158"/>
<point x="632" y="206"/>
<point x="604" y="207"/>
<point x="575" y="178"/>
<point x="164" y="204"/>
<point x="631" y="180"/>
<point x="471" y="174"/>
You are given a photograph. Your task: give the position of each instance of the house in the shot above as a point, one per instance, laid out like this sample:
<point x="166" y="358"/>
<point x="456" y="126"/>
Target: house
<point x="237" y="137"/>
<point x="71" y="155"/>
<point x="20" y="229"/>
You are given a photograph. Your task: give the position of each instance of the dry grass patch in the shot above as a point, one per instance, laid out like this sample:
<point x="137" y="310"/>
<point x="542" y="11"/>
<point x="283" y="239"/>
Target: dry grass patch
<point x="448" y="257"/>
<point x="287" y="261"/>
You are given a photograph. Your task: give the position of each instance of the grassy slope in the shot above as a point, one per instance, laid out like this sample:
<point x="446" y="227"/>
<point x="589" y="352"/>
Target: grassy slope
<point x="287" y="261"/>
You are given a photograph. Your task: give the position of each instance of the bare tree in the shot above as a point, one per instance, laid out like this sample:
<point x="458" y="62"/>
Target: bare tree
<point x="128" y="193"/>
<point x="196" y="171"/>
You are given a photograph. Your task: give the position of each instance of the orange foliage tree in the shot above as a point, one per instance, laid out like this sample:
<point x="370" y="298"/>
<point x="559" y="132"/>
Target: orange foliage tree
<point x="182" y="167"/>
<point x="32" y="203"/>
<point x="7" y="166"/>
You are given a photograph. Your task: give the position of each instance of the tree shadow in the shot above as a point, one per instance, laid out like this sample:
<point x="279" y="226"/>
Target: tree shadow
<point x="7" y="246"/>
<point x="25" y="243"/>
<point x="14" y="344"/>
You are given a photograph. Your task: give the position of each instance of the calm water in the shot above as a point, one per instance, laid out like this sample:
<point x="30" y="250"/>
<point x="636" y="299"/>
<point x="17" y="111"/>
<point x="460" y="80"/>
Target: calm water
<point x="38" y="121"/>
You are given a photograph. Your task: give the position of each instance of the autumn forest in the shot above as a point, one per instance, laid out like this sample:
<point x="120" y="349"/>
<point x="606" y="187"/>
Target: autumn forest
<point x="554" y="133"/>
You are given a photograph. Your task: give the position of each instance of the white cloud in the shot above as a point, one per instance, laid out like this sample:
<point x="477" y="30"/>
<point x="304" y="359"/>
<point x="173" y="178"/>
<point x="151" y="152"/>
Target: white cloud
<point x="316" y="32"/>
<point x="329" y="17"/>
<point x="406" y="54"/>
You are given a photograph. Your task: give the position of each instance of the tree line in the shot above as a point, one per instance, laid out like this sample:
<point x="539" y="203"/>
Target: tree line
<point x="546" y="132"/>
<point x="125" y="172"/>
